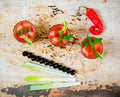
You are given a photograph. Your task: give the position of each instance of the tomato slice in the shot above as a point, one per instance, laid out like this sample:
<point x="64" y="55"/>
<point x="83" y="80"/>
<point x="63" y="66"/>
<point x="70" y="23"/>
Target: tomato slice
<point x="88" y="52"/>
<point x="54" y="35"/>
<point x="24" y="29"/>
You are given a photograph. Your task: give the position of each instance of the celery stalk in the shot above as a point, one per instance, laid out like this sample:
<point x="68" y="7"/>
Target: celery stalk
<point x="45" y="69"/>
<point x="48" y="79"/>
<point x="34" y="87"/>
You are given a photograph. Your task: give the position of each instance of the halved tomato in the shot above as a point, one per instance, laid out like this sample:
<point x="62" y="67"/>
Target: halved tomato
<point x="88" y="52"/>
<point x="24" y="29"/>
<point x="54" y="35"/>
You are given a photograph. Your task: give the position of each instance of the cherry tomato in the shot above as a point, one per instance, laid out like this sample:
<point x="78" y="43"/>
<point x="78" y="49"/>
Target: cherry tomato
<point x="24" y="29"/>
<point x="54" y="35"/>
<point x="88" y="52"/>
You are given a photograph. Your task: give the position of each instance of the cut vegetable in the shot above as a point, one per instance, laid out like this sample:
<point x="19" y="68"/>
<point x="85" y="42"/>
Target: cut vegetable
<point x="46" y="69"/>
<point x="48" y="79"/>
<point x="34" y="87"/>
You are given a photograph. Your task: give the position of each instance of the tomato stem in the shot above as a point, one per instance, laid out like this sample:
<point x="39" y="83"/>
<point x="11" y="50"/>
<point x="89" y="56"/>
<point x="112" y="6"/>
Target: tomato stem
<point x="84" y="7"/>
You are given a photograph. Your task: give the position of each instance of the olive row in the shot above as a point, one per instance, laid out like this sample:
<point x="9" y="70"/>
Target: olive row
<point x="48" y="62"/>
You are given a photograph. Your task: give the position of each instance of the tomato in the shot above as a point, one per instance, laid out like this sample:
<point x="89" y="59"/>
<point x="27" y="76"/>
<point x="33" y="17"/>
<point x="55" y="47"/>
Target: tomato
<point x="54" y="35"/>
<point x="88" y="52"/>
<point x="24" y="29"/>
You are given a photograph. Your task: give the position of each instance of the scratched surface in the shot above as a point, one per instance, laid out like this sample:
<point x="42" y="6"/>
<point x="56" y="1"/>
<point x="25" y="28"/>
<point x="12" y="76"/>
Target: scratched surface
<point x="102" y="77"/>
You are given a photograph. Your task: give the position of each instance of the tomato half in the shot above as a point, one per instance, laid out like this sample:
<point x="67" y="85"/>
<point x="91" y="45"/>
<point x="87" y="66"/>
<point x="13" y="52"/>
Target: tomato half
<point x="88" y="52"/>
<point x="24" y="29"/>
<point x="54" y="35"/>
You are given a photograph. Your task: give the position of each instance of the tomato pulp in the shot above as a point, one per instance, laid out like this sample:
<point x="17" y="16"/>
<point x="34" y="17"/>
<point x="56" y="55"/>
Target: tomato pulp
<point x="88" y="52"/>
<point x="54" y="35"/>
<point x="24" y="29"/>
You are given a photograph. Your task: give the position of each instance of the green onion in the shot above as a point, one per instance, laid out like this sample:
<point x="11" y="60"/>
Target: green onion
<point x="90" y="42"/>
<point x="48" y="79"/>
<point x="28" y="41"/>
<point x="34" y="87"/>
<point x="93" y="47"/>
<point x="98" y="54"/>
<point x="46" y="69"/>
<point x="68" y="37"/>
<point x="65" y="26"/>
<point x="63" y="31"/>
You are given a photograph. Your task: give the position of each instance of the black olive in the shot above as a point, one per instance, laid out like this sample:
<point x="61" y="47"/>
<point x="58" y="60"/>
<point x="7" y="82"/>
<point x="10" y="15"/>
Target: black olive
<point x="60" y="67"/>
<point x="25" y="53"/>
<point x="72" y="72"/>
<point x="68" y="70"/>
<point x="56" y="65"/>
<point x="51" y="63"/>
<point x="46" y="62"/>
<point x="38" y="58"/>
<point x="29" y="55"/>
<point x="41" y="60"/>
<point x="33" y="58"/>
<point x="64" y="69"/>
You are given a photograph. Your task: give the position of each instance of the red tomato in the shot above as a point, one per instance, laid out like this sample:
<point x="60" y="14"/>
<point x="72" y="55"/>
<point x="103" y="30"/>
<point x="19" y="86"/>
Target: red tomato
<point x="88" y="52"/>
<point x="54" y="35"/>
<point x="20" y="31"/>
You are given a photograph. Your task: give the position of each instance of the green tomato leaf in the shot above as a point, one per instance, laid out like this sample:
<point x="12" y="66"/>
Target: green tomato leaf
<point x="85" y="44"/>
<point x="19" y="33"/>
<point x="27" y="30"/>
<point x="97" y="40"/>
<point x="68" y="37"/>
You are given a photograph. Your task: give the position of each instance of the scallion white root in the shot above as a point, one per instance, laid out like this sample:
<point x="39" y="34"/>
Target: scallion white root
<point x="50" y="86"/>
<point x="46" y="69"/>
<point x="48" y="79"/>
